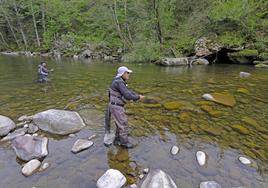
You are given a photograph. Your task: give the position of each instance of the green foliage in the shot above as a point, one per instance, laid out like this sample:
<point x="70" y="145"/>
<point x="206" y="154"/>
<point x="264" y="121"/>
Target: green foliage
<point x="245" y="53"/>
<point x="231" y="39"/>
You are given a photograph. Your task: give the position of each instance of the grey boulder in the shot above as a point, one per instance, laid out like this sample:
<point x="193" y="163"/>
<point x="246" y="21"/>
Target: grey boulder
<point x="30" y="147"/>
<point x="111" y="179"/>
<point x="6" y="125"/>
<point x="59" y="122"/>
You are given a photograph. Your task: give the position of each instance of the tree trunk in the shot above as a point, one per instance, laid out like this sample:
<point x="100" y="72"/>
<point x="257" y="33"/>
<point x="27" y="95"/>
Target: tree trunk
<point x="126" y="24"/>
<point x="3" y="39"/>
<point x="20" y="26"/>
<point x="11" y="29"/>
<point x="158" y="26"/>
<point x="35" y="26"/>
<point x="117" y="24"/>
<point x="43" y="17"/>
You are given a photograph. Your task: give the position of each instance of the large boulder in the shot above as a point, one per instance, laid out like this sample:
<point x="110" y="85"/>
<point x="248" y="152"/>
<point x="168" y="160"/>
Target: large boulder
<point x="174" y="61"/>
<point x="246" y="56"/>
<point x="111" y="179"/>
<point x="29" y="147"/>
<point x="60" y="122"/>
<point x="6" y="125"/>
<point x="206" y="46"/>
<point x="159" y="179"/>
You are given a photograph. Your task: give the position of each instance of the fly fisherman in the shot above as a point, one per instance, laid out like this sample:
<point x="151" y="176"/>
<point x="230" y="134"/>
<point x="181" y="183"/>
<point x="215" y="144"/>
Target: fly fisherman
<point x="119" y="94"/>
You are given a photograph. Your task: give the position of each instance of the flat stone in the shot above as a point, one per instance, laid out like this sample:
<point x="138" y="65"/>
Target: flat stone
<point x="81" y="144"/>
<point x="13" y="135"/>
<point x="201" y="158"/>
<point x="209" y="184"/>
<point x="92" y="137"/>
<point x="111" y="179"/>
<point x="31" y="167"/>
<point x="240" y="129"/>
<point x="174" y="150"/>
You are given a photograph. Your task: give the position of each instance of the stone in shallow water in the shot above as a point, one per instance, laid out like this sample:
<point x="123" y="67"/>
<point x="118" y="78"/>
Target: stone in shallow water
<point x="6" y="125"/>
<point x="43" y="167"/>
<point x="240" y="129"/>
<point x="13" y="135"/>
<point x="209" y="184"/>
<point x="109" y="138"/>
<point x="159" y="179"/>
<point x="208" y="97"/>
<point x="244" y="160"/>
<point x="201" y="158"/>
<point x="30" y="167"/>
<point x="174" y="150"/>
<point x="244" y="74"/>
<point x="29" y="147"/>
<point x="173" y="105"/>
<point x="111" y="179"/>
<point x="221" y="98"/>
<point x="60" y="122"/>
<point x="81" y="144"/>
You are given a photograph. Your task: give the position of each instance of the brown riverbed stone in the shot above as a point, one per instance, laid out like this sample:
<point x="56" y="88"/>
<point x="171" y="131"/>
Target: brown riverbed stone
<point x="210" y="111"/>
<point x="173" y="105"/>
<point x="224" y="98"/>
<point x="240" y="129"/>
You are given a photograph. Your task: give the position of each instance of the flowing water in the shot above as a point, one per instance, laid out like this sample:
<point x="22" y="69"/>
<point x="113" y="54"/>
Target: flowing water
<point x="173" y="114"/>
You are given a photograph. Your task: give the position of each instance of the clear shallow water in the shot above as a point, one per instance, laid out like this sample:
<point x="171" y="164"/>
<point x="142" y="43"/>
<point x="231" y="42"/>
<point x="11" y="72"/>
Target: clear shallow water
<point x="82" y="86"/>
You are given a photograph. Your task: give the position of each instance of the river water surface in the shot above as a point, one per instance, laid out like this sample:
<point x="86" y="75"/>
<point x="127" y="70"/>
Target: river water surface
<point x="224" y="133"/>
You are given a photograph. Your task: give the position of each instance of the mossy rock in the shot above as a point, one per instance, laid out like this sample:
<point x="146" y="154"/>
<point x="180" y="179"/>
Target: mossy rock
<point x="184" y="117"/>
<point x="243" y="90"/>
<point x="244" y="53"/>
<point x="260" y="62"/>
<point x="250" y="121"/>
<point x="210" y="111"/>
<point x="174" y="105"/>
<point x="261" y="66"/>
<point x="263" y="56"/>
<point x="224" y="99"/>
<point x="240" y="129"/>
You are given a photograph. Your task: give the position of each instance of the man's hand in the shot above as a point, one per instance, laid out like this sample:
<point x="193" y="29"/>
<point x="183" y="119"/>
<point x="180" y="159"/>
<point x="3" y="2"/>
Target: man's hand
<point x="141" y="97"/>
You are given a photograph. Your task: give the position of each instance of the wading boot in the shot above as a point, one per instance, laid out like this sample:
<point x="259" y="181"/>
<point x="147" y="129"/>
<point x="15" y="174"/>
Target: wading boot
<point x="117" y="142"/>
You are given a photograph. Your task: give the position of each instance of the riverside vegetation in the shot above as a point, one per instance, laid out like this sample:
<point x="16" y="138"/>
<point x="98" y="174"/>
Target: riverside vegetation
<point x="134" y="31"/>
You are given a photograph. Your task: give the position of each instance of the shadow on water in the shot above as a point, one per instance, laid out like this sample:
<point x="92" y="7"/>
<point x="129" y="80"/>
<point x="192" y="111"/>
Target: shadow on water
<point x="224" y="133"/>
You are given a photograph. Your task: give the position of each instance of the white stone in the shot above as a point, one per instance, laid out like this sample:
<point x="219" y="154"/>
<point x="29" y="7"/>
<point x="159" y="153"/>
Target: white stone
<point x="201" y="158"/>
<point x="244" y="160"/>
<point x="43" y="167"/>
<point x="111" y="179"/>
<point x="141" y="176"/>
<point x="158" y="179"/>
<point x="146" y="170"/>
<point x="81" y="144"/>
<point x="30" y="167"/>
<point x="244" y="74"/>
<point x="35" y="134"/>
<point x="209" y="184"/>
<point x="174" y="150"/>
<point x="91" y="137"/>
<point x="208" y="97"/>
<point x="26" y="126"/>
<point x="133" y="186"/>
<point x="109" y="138"/>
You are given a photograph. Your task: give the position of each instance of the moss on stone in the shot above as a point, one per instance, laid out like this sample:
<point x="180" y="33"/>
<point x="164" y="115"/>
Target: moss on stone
<point x="174" y="105"/>
<point x="240" y="129"/>
<point x="245" y="53"/>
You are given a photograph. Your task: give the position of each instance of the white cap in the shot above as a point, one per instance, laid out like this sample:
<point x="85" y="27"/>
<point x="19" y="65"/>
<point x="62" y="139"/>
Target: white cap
<point x="122" y="70"/>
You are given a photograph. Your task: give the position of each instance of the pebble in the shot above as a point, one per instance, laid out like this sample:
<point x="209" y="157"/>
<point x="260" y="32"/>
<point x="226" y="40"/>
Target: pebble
<point x="141" y="176"/>
<point x="244" y="160"/>
<point x="174" y="150"/>
<point x="146" y="170"/>
<point x="201" y="158"/>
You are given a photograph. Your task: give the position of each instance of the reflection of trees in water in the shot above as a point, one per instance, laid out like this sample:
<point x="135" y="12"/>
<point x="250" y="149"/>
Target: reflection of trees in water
<point x="118" y="158"/>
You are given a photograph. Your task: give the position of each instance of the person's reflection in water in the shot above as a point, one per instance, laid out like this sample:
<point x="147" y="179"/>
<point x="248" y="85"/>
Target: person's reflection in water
<point x="118" y="158"/>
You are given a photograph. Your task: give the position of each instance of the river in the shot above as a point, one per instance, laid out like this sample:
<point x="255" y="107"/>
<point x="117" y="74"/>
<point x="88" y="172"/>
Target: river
<point x="224" y="133"/>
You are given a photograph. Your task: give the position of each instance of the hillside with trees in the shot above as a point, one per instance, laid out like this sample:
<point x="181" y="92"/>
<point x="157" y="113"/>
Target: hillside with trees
<point x="140" y="30"/>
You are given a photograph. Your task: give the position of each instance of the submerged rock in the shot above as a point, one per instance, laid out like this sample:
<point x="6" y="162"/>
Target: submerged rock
<point x="31" y="167"/>
<point x="60" y="122"/>
<point x="244" y="160"/>
<point x="201" y="158"/>
<point x="173" y="105"/>
<point x="159" y="179"/>
<point x="240" y="129"/>
<point x="244" y="74"/>
<point x="111" y="179"/>
<point x="174" y="150"/>
<point x="174" y="61"/>
<point x="221" y="98"/>
<point x="81" y="144"/>
<point x="209" y="184"/>
<point x="29" y="147"/>
<point x="6" y="125"/>
<point x="109" y="138"/>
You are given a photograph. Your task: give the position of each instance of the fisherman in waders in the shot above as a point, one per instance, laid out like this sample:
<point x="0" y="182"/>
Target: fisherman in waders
<point x="43" y="73"/>
<point x="119" y="94"/>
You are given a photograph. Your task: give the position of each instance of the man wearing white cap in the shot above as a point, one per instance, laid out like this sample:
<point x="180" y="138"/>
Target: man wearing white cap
<point x="119" y="94"/>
